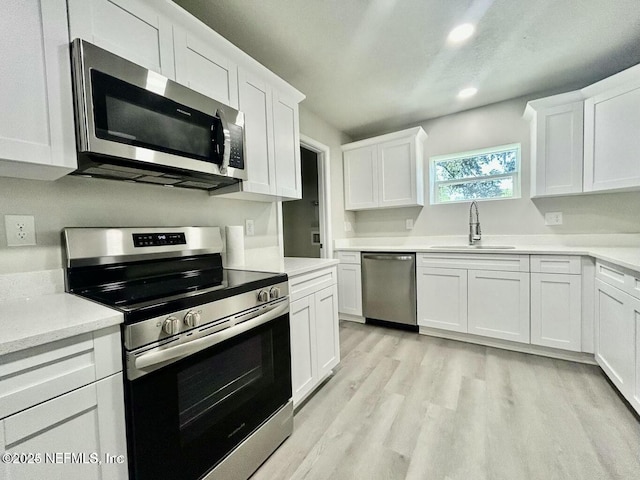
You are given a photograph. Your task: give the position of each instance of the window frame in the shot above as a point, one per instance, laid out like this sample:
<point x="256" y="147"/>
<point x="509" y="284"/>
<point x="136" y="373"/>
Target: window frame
<point x="516" y="175"/>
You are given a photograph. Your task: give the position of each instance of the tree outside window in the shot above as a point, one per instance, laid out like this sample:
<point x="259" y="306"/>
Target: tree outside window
<point x="491" y="173"/>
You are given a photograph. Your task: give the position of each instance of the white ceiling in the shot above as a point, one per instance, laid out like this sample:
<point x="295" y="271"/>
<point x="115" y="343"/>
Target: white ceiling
<point x="369" y="66"/>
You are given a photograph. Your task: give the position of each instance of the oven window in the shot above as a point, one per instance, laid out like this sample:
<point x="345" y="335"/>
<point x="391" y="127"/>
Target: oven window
<point x="235" y="374"/>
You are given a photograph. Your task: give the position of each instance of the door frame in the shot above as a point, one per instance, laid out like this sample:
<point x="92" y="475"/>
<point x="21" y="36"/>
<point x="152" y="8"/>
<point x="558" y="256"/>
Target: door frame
<point x="323" y="153"/>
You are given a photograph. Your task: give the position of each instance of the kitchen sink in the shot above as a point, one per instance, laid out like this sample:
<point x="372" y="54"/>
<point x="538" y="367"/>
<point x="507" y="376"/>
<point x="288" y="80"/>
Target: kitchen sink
<point x="473" y="247"/>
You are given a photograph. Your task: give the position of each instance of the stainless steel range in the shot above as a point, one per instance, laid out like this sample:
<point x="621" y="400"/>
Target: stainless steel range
<point x="206" y="349"/>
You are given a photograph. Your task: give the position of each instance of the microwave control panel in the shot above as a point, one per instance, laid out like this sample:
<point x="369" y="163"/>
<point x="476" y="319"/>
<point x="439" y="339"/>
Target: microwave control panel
<point x="236" y="155"/>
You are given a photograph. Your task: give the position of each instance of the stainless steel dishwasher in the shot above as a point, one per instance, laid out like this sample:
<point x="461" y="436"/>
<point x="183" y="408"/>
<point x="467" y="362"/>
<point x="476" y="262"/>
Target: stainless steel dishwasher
<point x="389" y="287"/>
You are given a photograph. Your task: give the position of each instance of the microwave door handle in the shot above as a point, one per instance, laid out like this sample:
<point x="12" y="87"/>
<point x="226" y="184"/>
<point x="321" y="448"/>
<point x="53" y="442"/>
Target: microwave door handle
<point x="226" y="156"/>
<point x="150" y="359"/>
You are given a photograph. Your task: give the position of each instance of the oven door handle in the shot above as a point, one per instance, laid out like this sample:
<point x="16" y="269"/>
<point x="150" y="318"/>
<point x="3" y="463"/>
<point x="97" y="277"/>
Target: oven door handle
<point x="150" y="359"/>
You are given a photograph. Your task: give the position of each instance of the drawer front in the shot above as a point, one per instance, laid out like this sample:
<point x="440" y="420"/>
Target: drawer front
<point x="556" y="264"/>
<point x="483" y="261"/>
<point x="349" y="257"/>
<point x="626" y="280"/>
<point x="32" y="376"/>
<point x="309" y="283"/>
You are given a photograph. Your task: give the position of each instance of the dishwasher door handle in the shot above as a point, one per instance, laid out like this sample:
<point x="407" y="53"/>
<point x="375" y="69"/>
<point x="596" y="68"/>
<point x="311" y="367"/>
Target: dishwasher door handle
<point x="387" y="257"/>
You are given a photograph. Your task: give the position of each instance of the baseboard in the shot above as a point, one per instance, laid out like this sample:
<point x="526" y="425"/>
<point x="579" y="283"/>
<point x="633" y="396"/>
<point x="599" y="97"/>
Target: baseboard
<point x="351" y="318"/>
<point x="579" y="357"/>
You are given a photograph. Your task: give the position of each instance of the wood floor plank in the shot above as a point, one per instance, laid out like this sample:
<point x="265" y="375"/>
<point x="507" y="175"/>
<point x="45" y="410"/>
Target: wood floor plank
<point x="416" y="407"/>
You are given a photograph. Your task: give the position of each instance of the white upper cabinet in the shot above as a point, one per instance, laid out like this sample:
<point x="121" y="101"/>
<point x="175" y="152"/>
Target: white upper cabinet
<point x="611" y="126"/>
<point x="385" y="171"/>
<point x="361" y="178"/>
<point x="272" y="141"/>
<point x="203" y="68"/>
<point x="556" y="144"/>
<point x="255" y="101"/>
<point x="286" y="136"/>
<point x="132" y="29"/>
<point x="37" y="138"/>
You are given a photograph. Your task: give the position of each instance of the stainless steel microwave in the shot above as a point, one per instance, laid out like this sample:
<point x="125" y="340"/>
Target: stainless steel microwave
<point x="134" y="124"/>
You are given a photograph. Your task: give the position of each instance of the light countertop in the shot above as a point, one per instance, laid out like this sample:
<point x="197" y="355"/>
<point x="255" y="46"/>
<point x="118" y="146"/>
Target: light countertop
<point x="626" y="257"/>
<point x="33" y="321"/>
<point x="292" y="266"/>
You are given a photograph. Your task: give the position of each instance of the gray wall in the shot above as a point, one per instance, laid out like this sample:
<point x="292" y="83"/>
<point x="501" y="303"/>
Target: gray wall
<point x="498" y="124"/>
<point x="84" y="202"/>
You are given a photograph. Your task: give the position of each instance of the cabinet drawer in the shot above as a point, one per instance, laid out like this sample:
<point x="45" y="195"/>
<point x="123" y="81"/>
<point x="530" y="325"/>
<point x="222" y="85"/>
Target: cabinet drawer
<point x="483" y="261"/>
<point x="349" y="257"/>
<point x="626" y="280"/>
<point x="303" y="285"/>
<point x="32" y="376"/>
<point x="556" y="264"/>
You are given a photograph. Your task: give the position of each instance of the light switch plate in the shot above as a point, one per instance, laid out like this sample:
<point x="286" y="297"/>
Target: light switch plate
<point x="553" y="218"/>
<point x="249" y="227"/>
<point x="20" y="229"/>
<point x="408" y="223"/>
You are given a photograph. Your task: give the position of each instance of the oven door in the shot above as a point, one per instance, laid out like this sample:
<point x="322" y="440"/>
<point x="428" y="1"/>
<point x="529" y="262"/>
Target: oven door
<point x="185" y="417"/>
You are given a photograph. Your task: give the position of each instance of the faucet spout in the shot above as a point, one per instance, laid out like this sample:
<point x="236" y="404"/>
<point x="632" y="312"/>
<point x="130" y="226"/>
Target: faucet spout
<point x="475" y="235"/>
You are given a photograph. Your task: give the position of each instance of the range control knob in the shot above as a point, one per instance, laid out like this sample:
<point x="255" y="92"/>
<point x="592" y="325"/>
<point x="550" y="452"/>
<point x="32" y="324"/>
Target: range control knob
<point x="263" y="296"/>
<point x="192" y="319"/>
<point x="171" y="326"/>
<point x="274" y="293"/>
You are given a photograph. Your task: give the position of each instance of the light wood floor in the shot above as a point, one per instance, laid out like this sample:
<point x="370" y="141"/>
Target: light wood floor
<point x="402" y="405"/>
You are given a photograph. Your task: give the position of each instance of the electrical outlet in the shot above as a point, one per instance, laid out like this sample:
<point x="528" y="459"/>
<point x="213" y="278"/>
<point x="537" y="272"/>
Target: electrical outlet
<point x="553" y="218"/>
<point x="249" y="227"/>
<point x="408" y="224"/>
<point x="347" y="226"/>
<point x="20" y="229"/>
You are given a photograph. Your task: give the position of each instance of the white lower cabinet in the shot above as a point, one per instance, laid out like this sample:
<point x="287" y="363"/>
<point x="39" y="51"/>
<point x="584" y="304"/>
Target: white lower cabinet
<point x="498" y="304"/>
<point x="315" y="341"/>
<point x="556" y="311"/>
<point x="77" y="436"/>
<point x="616" y="316"/>
<point x="62" y="405"/>
<point x="442" y="298"/>
<point x="350" y="284"/>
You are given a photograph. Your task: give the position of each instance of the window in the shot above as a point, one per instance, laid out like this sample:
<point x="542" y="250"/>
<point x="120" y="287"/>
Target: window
<point x="491" y="173"/>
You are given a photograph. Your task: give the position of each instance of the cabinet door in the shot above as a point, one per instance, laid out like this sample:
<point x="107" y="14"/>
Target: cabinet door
<point x="499" y="305"/>
<point x="287" y="147"/>
<point x="85" y="422"/>
<point x="200" y="66"/>
<point x="303" y="344"/>
<point x="37" y="138"/>
<point x="397" y="173"/>
<point x="556" y="313"/>
<point x="254" y="99"/>
<point x="361" y="178"/>
<point x="131" y="29"/>
<point x="615" y="314"/>
<point x="326" y="326"/>
<point x="611" y="140"/>
<point x="559" y="145"/>
<point x="350" y="287"/>
<point x="442" y="298"/>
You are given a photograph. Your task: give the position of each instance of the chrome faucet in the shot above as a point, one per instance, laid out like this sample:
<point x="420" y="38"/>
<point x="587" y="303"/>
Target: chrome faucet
<point x="475" y="235"/>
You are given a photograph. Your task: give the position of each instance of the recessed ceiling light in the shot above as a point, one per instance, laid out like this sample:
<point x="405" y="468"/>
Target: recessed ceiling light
<point x="467" y="92"/>
<point x="461" y="33"/>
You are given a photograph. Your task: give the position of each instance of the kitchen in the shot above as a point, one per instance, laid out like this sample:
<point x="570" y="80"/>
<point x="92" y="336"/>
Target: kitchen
<point x="73" y="201"/>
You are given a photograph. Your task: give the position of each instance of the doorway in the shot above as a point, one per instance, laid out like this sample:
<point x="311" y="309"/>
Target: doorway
<point x="306" y="223"/>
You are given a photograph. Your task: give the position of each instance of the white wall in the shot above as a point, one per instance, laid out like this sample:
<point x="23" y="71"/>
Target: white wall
<point x="316" y="128"/>
<point x="499" y="124"/>
<point x="83" y="202"/>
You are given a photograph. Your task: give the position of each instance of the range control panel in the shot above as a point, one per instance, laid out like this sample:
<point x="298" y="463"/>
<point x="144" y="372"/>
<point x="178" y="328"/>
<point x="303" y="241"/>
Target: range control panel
<point x="158" y="239"/>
